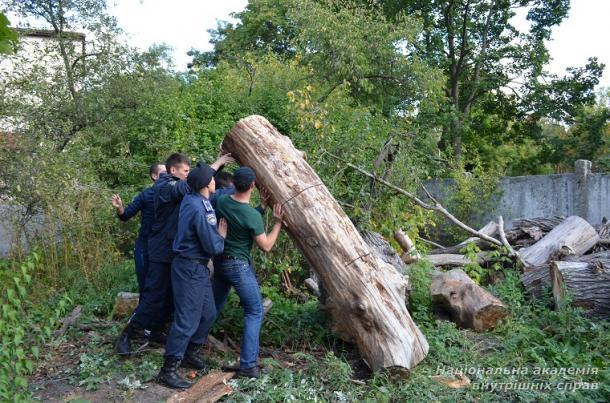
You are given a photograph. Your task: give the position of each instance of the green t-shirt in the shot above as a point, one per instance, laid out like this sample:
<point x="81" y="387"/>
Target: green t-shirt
<point x="244" y="222"/>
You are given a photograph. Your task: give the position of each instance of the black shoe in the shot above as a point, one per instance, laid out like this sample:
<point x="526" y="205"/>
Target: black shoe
<point x="169" y="377"/>
<point x="193" y="360"/>
<point x="155" y="337"/>
<point x="123" y="344"/>
<point x="253" y="372"/>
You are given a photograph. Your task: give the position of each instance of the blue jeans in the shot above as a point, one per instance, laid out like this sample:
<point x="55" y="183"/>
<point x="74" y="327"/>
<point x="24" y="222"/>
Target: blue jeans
<point x="194" y="309"/>
<point x="140" y="257"/>
<point x="239" y="274"/>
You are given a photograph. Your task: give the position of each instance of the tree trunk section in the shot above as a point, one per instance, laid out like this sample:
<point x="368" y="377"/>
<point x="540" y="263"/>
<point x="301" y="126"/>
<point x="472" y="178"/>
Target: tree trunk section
<point x="468" y="304"/>
<point x="574" y="236"/>
<point x="534" y="279"/>
<point x="587" y="283"/>
<point x="366" y="296"/>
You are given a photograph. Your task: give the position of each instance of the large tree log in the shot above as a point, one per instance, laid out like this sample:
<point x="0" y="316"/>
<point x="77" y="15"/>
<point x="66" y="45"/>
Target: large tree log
<point x="527" y="231"/>
<point x="366" y="296"/>
<point x="587" y="283"/>
<point x="468" y="304"/>
<point x="574" y="236"/>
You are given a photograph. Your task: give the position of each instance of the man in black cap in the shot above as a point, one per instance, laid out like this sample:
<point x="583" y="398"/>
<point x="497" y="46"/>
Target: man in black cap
<point x="234" y="267"/>
<point x="197" y="241"/>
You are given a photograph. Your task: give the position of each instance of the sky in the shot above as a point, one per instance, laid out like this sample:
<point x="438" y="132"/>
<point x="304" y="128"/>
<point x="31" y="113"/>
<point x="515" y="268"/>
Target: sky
<point x="183" y="24"/>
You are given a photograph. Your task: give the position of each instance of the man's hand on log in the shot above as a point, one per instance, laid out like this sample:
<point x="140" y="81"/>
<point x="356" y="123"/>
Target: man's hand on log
<point x="278" y="214"/>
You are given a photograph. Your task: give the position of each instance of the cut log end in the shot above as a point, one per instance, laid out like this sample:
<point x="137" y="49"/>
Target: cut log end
<point x="489" y="317"/>
<point x="455" y="295"/>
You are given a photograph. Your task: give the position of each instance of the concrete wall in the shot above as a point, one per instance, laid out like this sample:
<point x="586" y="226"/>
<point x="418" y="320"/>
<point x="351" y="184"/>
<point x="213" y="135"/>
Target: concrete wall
<point x="581" y="193"/>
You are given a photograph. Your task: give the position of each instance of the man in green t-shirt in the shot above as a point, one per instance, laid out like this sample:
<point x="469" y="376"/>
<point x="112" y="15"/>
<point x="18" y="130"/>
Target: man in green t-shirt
<point x="234" y="267"/>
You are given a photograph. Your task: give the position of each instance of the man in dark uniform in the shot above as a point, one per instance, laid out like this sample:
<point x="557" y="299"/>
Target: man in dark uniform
<point x="143" y="203"/>
<point x="197" y="241"/>
<point x="234" y="267"/>
<point x="155" y="306"/>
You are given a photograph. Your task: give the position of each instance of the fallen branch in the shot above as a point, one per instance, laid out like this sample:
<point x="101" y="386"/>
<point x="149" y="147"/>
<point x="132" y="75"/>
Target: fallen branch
<point x="434" y="207"/>
<point x="503" y="238"/>
<point x="68" y="321"/>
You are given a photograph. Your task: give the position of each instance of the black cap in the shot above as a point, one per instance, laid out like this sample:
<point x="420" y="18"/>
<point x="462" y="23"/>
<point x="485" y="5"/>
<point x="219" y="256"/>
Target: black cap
<point x="243" y="176"/>
<point x="200" y="176"/>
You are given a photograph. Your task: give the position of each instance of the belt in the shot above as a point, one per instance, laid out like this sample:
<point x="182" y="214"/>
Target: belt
<point x="227" y="257"/>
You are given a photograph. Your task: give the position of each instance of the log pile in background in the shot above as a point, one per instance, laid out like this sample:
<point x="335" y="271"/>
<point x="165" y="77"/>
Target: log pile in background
<point x="553" y="252"/>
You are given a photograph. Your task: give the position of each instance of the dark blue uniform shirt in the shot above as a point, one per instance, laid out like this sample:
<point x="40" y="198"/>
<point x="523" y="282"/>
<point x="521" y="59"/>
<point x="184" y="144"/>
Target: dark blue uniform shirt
<point x="144" y="203"/>
<point x="197" y="236"/>
<point x="169" y="192"/>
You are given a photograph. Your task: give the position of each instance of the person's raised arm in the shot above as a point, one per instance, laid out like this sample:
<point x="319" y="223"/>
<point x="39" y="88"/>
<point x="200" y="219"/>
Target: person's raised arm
<point x="132" y="208"/>
<point x="266" y="241"/>
<point x="222" y="161"/>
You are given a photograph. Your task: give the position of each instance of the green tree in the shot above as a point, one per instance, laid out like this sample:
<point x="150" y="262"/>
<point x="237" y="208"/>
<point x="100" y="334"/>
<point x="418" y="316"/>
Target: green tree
<point x="491" y="65"/>
<point x="8" y="38"/>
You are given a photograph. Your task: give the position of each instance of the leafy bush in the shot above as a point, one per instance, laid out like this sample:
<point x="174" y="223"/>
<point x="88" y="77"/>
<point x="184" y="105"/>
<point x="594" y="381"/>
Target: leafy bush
<point x="23" y="327"/>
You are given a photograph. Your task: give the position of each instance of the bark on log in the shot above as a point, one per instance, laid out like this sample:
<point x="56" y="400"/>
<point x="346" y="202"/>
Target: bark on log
<point x="208" y="389"/>
<point x="365" y="294"/>
<point x="468" y="304"/>
<point x="387" y="253"/>
<point x="534" y="279"/>
<point x="574" y="236"/>
<point x="587" y="283"/>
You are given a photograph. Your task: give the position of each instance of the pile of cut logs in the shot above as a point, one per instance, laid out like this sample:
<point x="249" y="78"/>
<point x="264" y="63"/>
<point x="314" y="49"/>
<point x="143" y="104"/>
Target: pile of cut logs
<point x="567" y="255"/>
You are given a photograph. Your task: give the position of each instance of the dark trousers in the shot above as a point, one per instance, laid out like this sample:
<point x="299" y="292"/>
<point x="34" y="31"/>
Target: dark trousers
<point x="194" y="309"/>
<point x="140" y="257"/>
<point x="155" y="307"/>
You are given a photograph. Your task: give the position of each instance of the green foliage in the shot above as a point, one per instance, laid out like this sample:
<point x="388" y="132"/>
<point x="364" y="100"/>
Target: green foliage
<point x="8" y="38"/>
<point x="22" y="327"/>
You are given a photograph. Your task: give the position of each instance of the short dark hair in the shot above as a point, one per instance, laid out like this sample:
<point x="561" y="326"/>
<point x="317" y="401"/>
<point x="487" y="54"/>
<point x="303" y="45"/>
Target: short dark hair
<point x="154" y="168"/>
<point x="175" y="160"/>
<point x="223" y="179"/>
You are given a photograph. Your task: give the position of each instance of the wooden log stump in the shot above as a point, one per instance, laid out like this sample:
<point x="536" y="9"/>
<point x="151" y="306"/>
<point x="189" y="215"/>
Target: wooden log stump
<point x="468" y="304"/>
<point x="587" y="283"/>
<point x="366" y="296"/>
